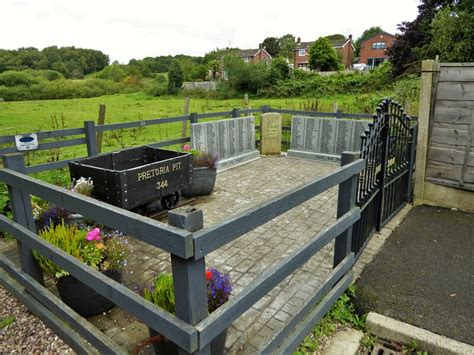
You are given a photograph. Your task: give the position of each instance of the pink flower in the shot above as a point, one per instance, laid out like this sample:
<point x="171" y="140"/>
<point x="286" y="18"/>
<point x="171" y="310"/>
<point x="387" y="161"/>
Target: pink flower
<point x="186" y="147"/>
<point x="93" y="234"/>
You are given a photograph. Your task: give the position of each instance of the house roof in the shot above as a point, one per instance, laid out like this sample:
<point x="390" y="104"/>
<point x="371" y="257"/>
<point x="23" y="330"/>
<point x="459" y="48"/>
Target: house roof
<point x="248" y="52"/>
<point x="244" y="53"/>
<point x="378" y="34"/>
<point x="337" y="43"/>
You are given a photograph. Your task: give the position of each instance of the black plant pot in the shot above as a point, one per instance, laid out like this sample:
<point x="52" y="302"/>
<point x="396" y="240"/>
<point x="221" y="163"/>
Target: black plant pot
<point x="82" y="298"/>
<point x="165" y="346"/>
<point x="202" y="182"/>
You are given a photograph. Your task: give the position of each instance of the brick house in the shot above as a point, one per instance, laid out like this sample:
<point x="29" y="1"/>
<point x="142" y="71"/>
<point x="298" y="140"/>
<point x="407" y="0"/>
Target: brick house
<point x="343" y="46"/>
<point x="373" y="51"/>
<point x="255" y="56"/>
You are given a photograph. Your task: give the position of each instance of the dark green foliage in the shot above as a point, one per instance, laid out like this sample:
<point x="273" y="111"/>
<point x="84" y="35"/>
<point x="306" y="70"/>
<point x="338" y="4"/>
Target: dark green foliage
<point x="12" y="78"/>
<point x="70" y="61"/>
<point x="159" y="87"/>
<point x="246" y="77"/>
<point x="279" y="70"/>
<point x="287" y="46"/>
<point x="322" y="56"/>
<point x="452" y="31"/>
<point x="305" y="83"/>
<point x="365" y="35"/>
<point x="175" y="78"/>
<point x="412" y="45"/>
<point x="272" y="46"/>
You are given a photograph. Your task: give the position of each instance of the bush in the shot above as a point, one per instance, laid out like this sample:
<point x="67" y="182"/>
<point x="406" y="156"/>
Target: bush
<point x="175" y="78"/>
<point x="246" y="77"/>
<point x="13" y="78"/>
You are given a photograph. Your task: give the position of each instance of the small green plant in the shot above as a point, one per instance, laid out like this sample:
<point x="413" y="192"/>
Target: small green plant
<point x="413" y="348"/>
<point x="5" y="322"/>
<point x="101" y="252"/>
<point x="368" y="342"/>
<point x="341" y="313"/>
<point x="161" y="293"/>
<point x="201" y="158"/>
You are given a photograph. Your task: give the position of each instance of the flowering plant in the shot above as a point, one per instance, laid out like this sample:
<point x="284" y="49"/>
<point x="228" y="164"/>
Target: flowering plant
<point x="200" y="158"/>
<point x="47" y="214"/>
<point x="101" y="251"/>
<point x="161" y="292"/>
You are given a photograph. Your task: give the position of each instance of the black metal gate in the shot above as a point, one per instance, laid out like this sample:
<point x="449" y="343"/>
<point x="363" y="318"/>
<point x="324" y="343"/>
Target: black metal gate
<point x="384" y="186"/>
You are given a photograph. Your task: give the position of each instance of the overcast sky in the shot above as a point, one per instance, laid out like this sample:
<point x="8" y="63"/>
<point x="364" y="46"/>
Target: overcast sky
<point x="140" y="28"/>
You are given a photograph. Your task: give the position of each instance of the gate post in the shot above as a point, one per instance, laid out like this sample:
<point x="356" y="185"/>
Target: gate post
<point x="91" y="140"/>
<point x="22" y="214"/>
<point x="235" y="112"/>
<point x="411" y="161"/>
<point x="189" y="275"/>
<point x="346" y="200"/>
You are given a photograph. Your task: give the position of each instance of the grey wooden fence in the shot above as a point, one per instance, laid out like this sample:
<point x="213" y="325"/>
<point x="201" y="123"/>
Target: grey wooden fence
<point x="192" y="329"/>
<point x="87" y="135"/>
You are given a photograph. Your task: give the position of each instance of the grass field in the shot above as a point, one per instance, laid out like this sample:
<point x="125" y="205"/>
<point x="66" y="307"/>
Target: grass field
<point x="34" y="116"/>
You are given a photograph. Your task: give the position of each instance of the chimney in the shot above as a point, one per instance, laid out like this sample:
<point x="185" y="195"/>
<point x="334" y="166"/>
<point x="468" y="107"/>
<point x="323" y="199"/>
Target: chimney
<point x="260" y="46"/>
<point x="350" y="37"/>
<point x="298" y="40"/>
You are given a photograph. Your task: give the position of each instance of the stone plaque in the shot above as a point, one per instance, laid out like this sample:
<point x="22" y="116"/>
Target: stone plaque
<point x="271" y="134"/>
<point x="325" y="138"/>
<point x="232" y="139"/>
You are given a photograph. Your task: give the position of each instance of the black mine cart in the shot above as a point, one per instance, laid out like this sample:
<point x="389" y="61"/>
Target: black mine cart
<point x="133" y="177"/>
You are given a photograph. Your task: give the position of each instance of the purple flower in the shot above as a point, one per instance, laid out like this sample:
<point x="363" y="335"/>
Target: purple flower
<point x="219" y="288"/>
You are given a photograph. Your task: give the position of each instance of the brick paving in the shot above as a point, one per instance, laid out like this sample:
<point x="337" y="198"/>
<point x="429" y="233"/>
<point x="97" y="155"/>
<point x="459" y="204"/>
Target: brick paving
<point x="246" y="258"/>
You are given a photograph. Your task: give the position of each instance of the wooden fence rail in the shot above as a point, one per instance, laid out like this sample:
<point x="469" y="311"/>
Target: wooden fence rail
<point x="189" y="330"/>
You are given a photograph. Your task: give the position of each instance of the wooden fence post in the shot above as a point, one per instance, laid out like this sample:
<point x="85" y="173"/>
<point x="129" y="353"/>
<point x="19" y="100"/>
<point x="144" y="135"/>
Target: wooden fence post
<point x="189" y="275"/>
<point x="23" y="214"/>
<point x="235" y="113"/>
<point x="346" y="200"/>
<point x="100" y="122"/>
<point x="246" y="101"/>
<point x="184" y="128"/>
<point x="91" y="140"/>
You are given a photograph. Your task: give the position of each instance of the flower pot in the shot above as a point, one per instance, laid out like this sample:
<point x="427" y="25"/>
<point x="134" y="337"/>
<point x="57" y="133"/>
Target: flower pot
<point x="82" y="298"/>
<point x="165" y="346"/>
<point x="201" y="183"/>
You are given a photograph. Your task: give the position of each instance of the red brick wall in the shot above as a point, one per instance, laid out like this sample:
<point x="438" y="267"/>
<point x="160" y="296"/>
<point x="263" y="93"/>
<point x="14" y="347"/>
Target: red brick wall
<point x="261" y="56"/>
<point x="347" y="53"/>
<point x="367" y="52"/>
<point x="299" y="60"/>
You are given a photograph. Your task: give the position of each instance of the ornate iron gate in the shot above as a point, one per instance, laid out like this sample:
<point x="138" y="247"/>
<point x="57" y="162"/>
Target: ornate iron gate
<point x="384" y="186"/>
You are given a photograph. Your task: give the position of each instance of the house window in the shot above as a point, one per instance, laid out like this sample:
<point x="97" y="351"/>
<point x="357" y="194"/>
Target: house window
<point x="379" y="45"/>
<point x="375" y="62"/>
<point x="301" y="52"/>
<point x="246" y="59"/>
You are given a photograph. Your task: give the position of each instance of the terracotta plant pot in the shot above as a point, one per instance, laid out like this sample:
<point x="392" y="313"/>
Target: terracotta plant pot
<point x="202" y="181"/>
<point x="165" y="346"/>
<point x="82" y="298"/>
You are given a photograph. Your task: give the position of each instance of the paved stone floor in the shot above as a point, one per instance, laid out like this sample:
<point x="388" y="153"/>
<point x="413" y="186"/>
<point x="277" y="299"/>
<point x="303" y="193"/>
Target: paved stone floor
<point x="246" y="258"/>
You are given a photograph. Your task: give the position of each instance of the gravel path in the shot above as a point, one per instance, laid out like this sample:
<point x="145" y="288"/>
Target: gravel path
<point x="27" y="334"/>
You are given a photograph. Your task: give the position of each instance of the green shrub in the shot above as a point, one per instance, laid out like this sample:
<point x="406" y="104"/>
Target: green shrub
<point x="12" y="78"/>
<point x="175" y="78"/>
<point x="161" y="293"/>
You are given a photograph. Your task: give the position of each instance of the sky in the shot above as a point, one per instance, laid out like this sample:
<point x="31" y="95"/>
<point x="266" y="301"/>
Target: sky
<point x="141" y="28"/>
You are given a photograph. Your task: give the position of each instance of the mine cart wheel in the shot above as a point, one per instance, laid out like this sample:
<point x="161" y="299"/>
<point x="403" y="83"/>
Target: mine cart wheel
<point x="170" y="201"/>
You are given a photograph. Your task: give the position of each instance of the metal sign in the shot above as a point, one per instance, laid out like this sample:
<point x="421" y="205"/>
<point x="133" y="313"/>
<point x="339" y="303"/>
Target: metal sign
<point x="26" y="142"/>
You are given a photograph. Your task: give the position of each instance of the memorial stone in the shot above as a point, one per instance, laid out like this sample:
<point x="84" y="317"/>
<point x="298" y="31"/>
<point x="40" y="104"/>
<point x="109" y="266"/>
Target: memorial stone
<point x="271" y="134"/>
<point x="233" y="140"/>
<point x="324" y="138"/>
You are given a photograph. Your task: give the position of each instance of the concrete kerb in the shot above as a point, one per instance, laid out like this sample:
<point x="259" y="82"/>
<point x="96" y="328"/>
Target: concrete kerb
<point x="391" y="329"/>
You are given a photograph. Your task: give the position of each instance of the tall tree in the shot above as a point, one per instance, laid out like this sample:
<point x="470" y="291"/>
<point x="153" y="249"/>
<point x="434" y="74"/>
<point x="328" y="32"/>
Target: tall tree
<point x="322" y="56"/>
<point x="175" y="78"/>
<point x="366" y="34"/>
<point x="271" y="45"/>
<point x="452" y="30"/>
<point x="410" y="46"/>
<point x="287" y="46"/>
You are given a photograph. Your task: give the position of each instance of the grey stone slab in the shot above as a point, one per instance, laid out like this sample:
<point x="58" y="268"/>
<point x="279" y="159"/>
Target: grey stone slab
<point x="324" y="138"/>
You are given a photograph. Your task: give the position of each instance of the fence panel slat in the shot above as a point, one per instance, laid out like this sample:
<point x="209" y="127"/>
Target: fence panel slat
<point x="210" y="239"/>
<point x="52" y="321"/>
<point x="223" y="317"/>
<point x="160" y="235"/>
<point x="59" y="308"/>
<point x="163" y="322"/>
<point x="144" y="123"/>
